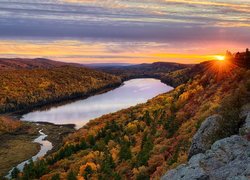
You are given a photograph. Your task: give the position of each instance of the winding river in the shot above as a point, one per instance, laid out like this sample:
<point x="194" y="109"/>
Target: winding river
<point x="45" y="147"/>
<point x="80" y="112"/>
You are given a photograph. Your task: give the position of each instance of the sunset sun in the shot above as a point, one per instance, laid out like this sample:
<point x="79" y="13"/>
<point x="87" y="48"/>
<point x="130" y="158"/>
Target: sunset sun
<point x="220" y="58"/>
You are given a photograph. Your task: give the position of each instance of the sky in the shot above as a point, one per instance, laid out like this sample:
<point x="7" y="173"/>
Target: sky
<point x="123" y="31"/>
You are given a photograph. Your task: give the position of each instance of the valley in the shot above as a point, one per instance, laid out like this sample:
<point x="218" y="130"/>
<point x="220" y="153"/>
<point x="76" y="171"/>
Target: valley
<point x="23" y="133"/>
<point x="141" y="142"/>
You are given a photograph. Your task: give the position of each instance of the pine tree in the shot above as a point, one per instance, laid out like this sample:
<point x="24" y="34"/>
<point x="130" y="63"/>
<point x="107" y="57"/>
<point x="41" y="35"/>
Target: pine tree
<point x="91" y="140"/>
<point x="14" y="173"/>
<point x="108" y="164"/>
<point x="147" y="118"/>
<point x="125" y="152"/>
<point x="55" y="177"/>
<point x="87" y="172"/>
<point x="144" y="154"/>
<point x="71" y="176"/>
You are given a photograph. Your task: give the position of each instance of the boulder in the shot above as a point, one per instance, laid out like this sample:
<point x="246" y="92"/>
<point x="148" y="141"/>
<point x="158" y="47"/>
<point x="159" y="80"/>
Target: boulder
<point x="205" y="136"/>
<point x="227" y="159"/>
<point x="245" y="130"/>
<point x="190" y="171"/>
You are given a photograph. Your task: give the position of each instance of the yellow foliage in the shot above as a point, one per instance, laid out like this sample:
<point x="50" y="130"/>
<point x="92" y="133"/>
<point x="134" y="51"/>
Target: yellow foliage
<point x="132" y="127"/>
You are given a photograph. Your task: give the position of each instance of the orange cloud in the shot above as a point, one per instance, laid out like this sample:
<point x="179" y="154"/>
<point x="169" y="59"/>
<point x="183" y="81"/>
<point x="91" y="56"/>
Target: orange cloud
<point x="96" y="52"/>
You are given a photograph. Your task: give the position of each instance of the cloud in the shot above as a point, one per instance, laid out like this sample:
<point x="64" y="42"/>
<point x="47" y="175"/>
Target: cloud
<point x="122" y="29"/>
<point x="90" y="51"/>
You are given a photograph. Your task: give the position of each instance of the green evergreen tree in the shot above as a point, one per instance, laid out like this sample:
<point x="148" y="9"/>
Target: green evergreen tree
<point x="142" y="177"/>
<point x="40" y="168"/>
<point x="14" y="173"/>
<point x="144" y="154"/>
<point x="71" y="176"/>
<point x="125" y="151"/>
<point x="108" y="164"/>
<point x="55" y="177"/>
<point x="91" y="140"/>
<point x="147" y="118"/>
<point x="87" y="172"/>
<point x="117" y="176"/>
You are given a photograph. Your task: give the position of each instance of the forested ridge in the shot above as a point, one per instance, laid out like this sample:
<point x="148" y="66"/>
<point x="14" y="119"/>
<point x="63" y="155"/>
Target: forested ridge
<point x="38" y="63"/>
<point x="159" y="70"/>
<point x="27" y="88"/>
<point x="145" y="141"/>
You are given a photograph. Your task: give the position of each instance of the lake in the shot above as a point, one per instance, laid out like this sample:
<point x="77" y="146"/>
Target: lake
<point x="131" y="93"/>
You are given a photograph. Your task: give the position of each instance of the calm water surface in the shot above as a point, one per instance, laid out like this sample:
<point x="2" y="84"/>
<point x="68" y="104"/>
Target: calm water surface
<point x="132" y="92"/>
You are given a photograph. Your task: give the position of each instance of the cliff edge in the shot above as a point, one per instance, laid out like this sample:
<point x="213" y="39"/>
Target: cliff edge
<point x="228" y="158"/>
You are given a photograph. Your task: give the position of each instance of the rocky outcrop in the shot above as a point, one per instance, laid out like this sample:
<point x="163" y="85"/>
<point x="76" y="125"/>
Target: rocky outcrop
<point x="245" y="130"/>
<point x="227" y="159"/>
<point x="204" y="137"/>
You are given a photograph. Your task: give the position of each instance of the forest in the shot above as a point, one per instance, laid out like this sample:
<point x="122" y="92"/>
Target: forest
<point x="147" y="140"/>
<point x="26" y="88"/>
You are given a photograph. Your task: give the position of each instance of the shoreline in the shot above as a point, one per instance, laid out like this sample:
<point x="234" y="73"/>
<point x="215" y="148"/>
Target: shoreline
<point x="19" y="146"/>
<point x="70" y="99"/>
<point x="61" y="100"/>
<point x="45" y="146"/>
<point x="55" y="133"/>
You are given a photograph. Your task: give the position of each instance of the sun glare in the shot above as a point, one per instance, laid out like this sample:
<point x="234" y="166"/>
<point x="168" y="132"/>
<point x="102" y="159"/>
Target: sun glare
<point x="220" y="58"/>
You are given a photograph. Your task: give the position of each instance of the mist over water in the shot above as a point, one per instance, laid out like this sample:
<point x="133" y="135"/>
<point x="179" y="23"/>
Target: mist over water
<point x="131" y="93"/>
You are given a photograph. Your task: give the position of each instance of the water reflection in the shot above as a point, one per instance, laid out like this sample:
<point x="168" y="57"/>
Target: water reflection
<point x="80" y="112"/>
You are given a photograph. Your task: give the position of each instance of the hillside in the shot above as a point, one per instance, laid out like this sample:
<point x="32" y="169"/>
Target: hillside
<point x="147" y="140"/>
<point x="8" y="125"/>
<point x="154" y="70"/>
<point x="26" y="88"/>
<point x="38" y="63"/>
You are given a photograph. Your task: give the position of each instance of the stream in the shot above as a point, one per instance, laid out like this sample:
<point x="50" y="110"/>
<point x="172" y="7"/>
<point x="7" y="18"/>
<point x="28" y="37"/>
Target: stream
<point x="44" y="148"/>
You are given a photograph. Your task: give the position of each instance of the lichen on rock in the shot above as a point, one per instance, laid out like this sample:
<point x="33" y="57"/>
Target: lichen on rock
<point x="205" y="136"/>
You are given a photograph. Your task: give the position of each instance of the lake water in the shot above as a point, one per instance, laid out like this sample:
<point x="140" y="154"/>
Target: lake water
<point x="131" y="93"/>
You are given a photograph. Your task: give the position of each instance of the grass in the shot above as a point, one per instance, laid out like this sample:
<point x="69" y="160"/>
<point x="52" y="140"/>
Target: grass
<point x="17" y="140"/>
<point x="15" y="149"/>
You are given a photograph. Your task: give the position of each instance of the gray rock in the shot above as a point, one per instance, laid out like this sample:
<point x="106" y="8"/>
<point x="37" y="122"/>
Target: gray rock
<point x="238" y="178"/>
<point x="228" y="159"/>
<point x="245" y="110"/>
<point x="186" y="173"/>
<point x="204" y="137"/>
<point x="190" y="171"/>
<point x="246" y="127"/>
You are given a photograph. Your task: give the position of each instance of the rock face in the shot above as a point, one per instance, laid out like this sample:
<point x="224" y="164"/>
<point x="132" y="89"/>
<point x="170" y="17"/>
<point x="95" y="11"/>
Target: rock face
<point x="245" y="130"/>
<point x="227" y="159"/>
<point x="204" y="137"/>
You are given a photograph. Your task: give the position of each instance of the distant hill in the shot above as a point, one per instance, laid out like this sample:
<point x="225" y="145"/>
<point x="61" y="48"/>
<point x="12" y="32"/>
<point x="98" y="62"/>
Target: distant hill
<point x="21" y="63"/>
<point x="155" y="70"/>
<point x="107" y="65"/>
